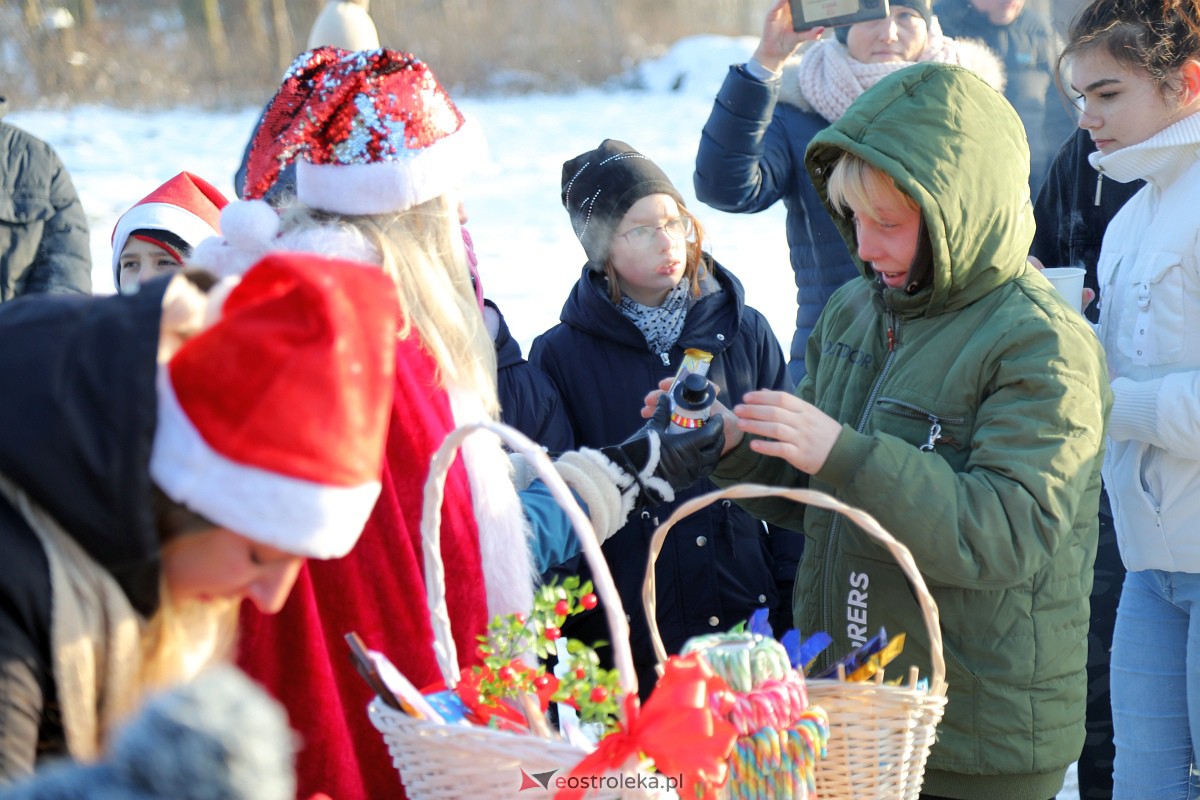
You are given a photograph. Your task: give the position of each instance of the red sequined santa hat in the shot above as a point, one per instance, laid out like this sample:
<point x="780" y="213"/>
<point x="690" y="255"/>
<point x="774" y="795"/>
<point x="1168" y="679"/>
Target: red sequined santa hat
<point x="186" y="206"/>
<point x="272" y="422"/>
<point x="371" y="132"/>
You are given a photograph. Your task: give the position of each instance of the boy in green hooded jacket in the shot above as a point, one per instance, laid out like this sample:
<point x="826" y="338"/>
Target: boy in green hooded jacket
<point x="954" y="396"/>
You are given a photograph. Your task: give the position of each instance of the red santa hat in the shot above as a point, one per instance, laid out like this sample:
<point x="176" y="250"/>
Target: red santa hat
<point x="186" y="206"/>
<point x="372" y="132"/>
<point x="272" y="421"/>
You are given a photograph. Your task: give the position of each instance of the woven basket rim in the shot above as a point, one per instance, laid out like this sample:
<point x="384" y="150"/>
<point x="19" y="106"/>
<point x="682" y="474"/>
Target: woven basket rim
<point x="902" y="555"/>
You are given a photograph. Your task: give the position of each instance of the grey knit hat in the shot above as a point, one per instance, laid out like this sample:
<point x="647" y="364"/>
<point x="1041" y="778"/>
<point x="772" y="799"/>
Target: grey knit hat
<point x="599" y="186"/>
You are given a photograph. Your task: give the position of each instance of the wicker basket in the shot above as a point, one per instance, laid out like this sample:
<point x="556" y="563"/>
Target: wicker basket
<point x="458" y="761"/>
<point x="879" y="735"/>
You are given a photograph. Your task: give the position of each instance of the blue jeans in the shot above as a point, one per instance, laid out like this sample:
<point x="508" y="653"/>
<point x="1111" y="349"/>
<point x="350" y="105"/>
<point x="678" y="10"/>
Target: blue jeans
<point x="1155" y="684"/>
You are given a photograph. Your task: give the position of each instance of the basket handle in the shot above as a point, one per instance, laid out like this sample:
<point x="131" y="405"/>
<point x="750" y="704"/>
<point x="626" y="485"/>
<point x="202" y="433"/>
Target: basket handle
<point x="435" y="575"/>
<point x="903" y="556"/>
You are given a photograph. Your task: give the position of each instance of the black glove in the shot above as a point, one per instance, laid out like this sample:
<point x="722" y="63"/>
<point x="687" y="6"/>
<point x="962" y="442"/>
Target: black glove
<point x="662" y="463"/>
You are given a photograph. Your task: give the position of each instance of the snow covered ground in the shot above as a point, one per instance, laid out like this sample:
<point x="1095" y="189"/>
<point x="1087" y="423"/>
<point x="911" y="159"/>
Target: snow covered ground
<point x="529" y="257"/>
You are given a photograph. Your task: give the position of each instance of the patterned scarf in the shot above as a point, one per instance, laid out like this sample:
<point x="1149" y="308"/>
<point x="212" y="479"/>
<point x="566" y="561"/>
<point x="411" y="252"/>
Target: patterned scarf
<point x="662" y="324"/>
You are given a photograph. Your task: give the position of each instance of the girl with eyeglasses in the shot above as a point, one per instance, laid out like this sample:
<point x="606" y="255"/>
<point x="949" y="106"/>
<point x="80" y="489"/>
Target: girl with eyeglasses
<point x="649" y="292"/>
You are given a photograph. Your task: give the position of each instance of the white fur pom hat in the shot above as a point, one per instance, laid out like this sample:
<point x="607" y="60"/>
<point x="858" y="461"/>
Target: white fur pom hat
<point x="186" y="208"/>
<point x="371" y="132"/>
<point x="272" y="422"/>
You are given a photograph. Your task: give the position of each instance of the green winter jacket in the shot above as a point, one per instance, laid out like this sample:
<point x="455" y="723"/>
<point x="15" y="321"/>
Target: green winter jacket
<point x="975" y="437"/>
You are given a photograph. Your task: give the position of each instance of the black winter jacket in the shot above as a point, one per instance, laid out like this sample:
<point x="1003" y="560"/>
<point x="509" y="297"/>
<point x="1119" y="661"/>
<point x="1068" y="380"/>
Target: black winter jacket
<point x="77" y="422"/>
<point x="717" y="566"/>
<point x="44" y="245"/>
<point x="1073" y="209"/>
<point x="529" y="401"/>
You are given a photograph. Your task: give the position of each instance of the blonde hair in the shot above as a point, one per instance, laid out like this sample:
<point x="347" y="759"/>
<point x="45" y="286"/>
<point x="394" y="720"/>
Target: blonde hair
<point x="181" y="638"/>
<point x="694" y="270"/>
<point x="422" y="249"/>
<point x="856" y="183"/>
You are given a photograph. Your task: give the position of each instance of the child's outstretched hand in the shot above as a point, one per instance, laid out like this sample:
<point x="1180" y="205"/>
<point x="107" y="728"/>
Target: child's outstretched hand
<point x="798" y="432"/>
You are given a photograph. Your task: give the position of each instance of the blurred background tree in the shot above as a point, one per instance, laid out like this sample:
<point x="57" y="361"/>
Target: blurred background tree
<point x="218" y="52"/>
<point x="155" y="53"/>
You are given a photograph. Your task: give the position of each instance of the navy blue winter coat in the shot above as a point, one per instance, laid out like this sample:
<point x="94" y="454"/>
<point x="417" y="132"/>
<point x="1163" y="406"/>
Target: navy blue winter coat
<point x="717" y="566"/>
<point x="529" y="401"/>
<point x="751" y="155"/>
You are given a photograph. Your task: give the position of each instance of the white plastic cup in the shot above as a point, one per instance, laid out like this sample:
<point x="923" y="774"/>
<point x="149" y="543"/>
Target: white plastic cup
<point x="1069" y="283"/>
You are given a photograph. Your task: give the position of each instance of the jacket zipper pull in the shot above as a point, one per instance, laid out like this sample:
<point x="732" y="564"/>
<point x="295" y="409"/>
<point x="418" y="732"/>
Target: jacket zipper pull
<point x="666" y="359"/>
<point x="935" y="433"/>
<point x="1099" y="183"/>
<point x="891" y="339"/>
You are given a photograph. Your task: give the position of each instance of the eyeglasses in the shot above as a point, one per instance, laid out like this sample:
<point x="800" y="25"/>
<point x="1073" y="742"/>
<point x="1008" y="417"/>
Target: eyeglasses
<point x="643" y="236"/>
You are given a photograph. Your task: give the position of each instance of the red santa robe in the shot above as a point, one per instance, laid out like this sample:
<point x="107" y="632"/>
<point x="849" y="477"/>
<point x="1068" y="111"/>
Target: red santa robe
<point x="378" y="590"/>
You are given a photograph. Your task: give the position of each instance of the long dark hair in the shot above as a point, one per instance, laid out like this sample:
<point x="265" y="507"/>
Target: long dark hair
<point x="1153" y="36"/>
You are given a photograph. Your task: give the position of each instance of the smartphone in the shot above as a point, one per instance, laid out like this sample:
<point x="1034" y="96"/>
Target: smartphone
<point x="807" y="14"/>
<point x="370" y="673"/>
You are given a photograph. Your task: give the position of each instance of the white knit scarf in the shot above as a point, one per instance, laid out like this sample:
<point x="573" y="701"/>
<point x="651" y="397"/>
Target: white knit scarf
<point x="831" y="79"/>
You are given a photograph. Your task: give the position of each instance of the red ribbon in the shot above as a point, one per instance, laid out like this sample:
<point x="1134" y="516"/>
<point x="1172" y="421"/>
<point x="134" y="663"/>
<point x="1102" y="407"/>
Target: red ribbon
<point x="677" y="729"/>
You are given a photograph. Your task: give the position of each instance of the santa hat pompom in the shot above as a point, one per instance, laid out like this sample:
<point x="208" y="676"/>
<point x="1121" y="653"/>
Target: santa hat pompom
<point x="250" y="229"/>
<point x="250" y="224"/>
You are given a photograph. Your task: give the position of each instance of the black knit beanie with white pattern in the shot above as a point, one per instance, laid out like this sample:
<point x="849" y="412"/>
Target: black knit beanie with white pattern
<point x="599" y="186"/>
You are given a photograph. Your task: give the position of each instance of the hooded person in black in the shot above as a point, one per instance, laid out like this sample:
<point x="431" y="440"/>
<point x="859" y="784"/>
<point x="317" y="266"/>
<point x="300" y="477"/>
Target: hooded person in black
<point x="143" y="487"/>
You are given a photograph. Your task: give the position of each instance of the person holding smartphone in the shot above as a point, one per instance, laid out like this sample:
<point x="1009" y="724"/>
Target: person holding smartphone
<point x="751" y="152"/>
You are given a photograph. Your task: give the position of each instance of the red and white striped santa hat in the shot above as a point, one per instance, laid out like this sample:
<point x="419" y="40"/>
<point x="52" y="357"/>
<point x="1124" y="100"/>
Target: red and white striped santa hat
<point x="371" y="132"/>
<point x="272" y="422"/>
<point x="186" y="206"/>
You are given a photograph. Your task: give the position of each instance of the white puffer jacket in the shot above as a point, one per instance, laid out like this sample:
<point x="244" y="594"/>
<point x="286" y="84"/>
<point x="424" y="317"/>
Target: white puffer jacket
<point x="1149" y="272"/>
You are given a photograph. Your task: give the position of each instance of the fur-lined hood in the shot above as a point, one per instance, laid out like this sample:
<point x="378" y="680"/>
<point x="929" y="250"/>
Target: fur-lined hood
<point x="970" y="53"/>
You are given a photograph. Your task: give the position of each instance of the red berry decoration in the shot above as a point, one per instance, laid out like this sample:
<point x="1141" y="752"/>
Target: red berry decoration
<point x="553" y="633"/>
<point x="506" y="674"/>
<point x="588" y="601"/>
<point x="541" y="681"/>
<point x="599" y="694"/>
<point x="562" y="608"/>
<point x="580" y="673"/>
